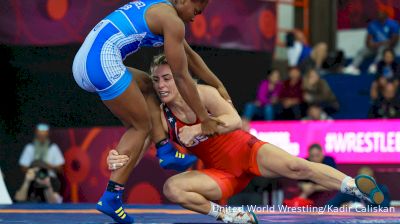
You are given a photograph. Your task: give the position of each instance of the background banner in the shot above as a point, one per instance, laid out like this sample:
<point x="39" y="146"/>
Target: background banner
<point x="238" y="24"/>
<point x="247" y="25"/>
<point x="355" y="141"/>
<point x="349" y="142"/>
<point x="86" y="172"/>
<point x="354" y="14"/>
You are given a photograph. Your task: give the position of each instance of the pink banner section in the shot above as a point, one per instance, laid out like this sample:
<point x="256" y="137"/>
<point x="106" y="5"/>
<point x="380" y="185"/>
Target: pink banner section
<point x="85" y="151"/>
<point x="349" y="142"/>
<point x="248" y="25"/>
<point x="237" y="24"/>
<point x="51" y="22"/>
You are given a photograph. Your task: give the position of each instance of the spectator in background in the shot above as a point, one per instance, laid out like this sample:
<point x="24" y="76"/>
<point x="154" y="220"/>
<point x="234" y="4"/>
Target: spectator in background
<point x="315" y="154"/>
<point x="267" y="98"/>
<point x="315" y="113"/>
<point x="341" y="199"/>
<point x="42" y="162"/>
<point x="377" y="88"/>
<point x="39" y="186"/>
<point x="387" y="106"/>
<point x="42" y="149"/>
<point x="388" y="71"/>
<point x="388" y="67"/>
<point x="291" y="97"/>
<point x="301" y="55"/>
<point x="382" y="33"/>
<point x="317" y="91"/>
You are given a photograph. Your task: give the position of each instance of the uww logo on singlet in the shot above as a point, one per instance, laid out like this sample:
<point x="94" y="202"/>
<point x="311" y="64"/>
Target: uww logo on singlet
<point x="196" y="140"/>
<point x="138" y="4"/>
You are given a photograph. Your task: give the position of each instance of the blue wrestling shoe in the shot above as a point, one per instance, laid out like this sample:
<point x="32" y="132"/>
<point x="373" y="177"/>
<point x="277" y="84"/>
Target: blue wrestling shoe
<point x="170" y="158"/>
<point x="111" y="204"/>
<point x="369" y="188"/>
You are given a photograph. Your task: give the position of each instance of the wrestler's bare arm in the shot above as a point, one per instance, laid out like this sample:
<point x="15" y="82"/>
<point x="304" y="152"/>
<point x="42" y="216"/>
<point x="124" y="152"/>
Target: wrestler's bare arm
<point x="220" y="108"/>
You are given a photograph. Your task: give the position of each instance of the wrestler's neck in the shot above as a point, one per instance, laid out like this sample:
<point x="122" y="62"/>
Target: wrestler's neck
<point x="179" y="106"/>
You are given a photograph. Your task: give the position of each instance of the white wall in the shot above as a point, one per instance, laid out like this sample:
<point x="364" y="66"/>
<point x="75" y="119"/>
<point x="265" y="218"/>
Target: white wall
<point x="285" y="20"/>
<point x="352" y="40"/>
<point x="4" y="196"/>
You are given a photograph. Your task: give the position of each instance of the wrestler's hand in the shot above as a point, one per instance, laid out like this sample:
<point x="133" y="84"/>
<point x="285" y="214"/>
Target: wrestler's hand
<point x="115" y="160"/>
<point x="188" y="133"/>
<point x="210" y="125"/>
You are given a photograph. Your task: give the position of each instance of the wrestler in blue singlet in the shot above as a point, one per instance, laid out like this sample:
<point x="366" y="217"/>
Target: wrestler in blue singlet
<point x="98" y="66"/>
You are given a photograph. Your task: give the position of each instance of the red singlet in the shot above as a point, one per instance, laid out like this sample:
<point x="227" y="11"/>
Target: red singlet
<point x="230" y="159"/>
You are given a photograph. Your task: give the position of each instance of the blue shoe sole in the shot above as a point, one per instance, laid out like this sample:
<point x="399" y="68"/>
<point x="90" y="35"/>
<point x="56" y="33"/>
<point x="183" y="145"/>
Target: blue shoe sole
<point x="106" y="210"/>
<point x="368" y="186"/>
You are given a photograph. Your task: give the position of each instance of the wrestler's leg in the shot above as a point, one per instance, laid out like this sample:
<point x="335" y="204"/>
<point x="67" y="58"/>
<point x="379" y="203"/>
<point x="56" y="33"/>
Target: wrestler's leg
<point x="130" y="107"/>
<point x="192" y="190"/>
<point x="273" y="160"/>
<point x="195" y="190"/>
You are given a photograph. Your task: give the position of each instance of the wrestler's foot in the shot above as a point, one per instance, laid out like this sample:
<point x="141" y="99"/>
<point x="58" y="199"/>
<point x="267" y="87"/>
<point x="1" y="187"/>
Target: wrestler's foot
<point x="368" y="187"/>
<point x="239" y="217"/>
<point x="111" y="204"/>
<point x="365" y="188"/>
<point x="170" y="158"/>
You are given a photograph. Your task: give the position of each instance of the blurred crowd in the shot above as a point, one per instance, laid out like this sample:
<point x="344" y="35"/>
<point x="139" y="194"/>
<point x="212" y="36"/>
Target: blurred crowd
<point x="304" y="94"/>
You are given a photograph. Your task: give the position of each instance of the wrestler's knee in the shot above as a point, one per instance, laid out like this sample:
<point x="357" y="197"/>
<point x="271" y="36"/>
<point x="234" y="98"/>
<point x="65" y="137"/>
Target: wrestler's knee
<point x="173" y="190"/>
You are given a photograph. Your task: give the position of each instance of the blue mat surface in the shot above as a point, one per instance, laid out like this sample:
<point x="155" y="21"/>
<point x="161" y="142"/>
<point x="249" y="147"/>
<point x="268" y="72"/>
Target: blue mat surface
<point x="85" y="213"/>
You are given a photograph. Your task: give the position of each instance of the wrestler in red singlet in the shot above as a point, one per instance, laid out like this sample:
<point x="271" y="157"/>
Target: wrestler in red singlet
<point x="230" y="159"/>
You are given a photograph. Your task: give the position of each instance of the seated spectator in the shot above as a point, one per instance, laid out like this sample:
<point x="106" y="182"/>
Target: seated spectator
<point x="315" y="154"/>
<point x="42" y="149"/>
<point x="267" y="98"/>
<point x="341" y="199"/>
<point x="317" y="91"/>
<point x="387" y="106"/>
<point x="301" y="55"/>
<point x="383" y="33"/>
<point x="388" y="68"/>
<point x="388" y="71"/>
<point x="377" y="88"/>
<point x="291" y="97"/>
<point x="315" y="113"/>
<point x="38" y="186"/>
